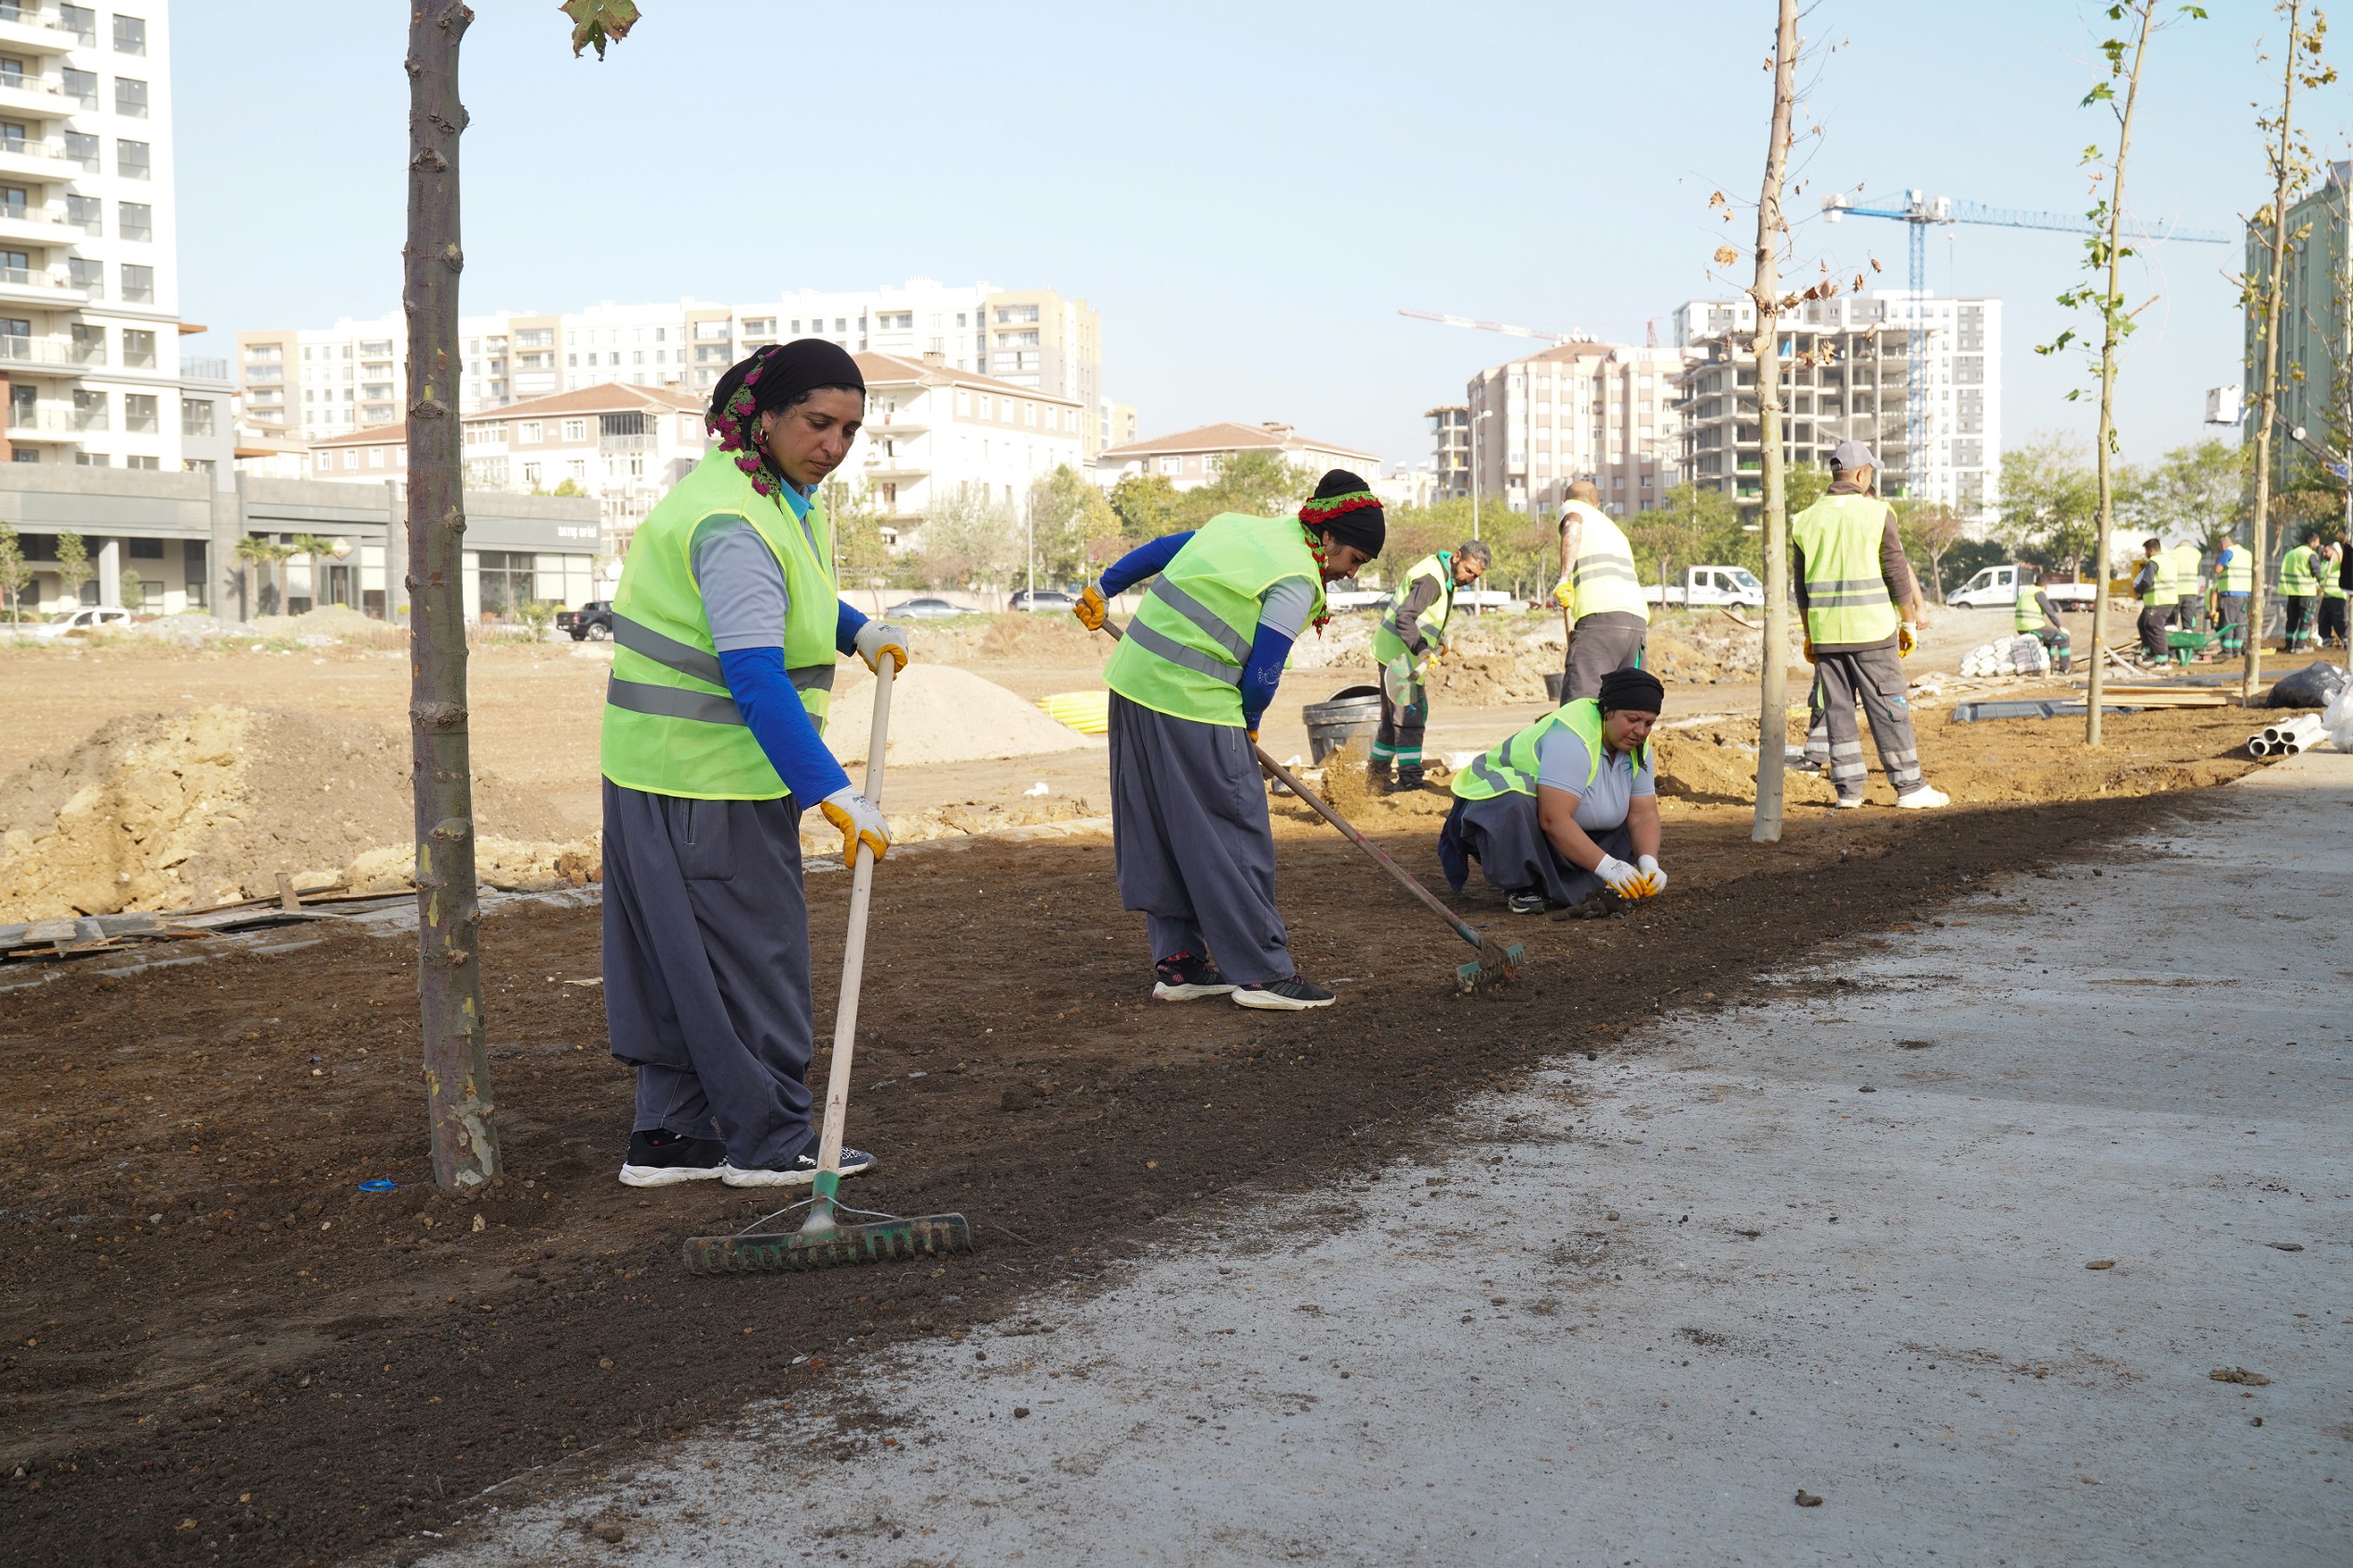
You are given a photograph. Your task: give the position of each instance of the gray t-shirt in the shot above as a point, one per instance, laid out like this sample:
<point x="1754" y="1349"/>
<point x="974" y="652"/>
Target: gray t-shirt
<point x="744" y="594"/>
<point x="1284" y="606"/>
<point x="1561" y="761"/>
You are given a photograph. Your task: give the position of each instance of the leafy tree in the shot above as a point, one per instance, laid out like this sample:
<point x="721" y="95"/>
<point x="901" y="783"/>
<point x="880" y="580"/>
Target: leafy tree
<point x="1805" y="483"/>
<point x="970" y="540"/>
<point x="2050" y="499"/>
<point x="1147" y="506"/>
<point x="13" y="575"/>
<point x="1262" y="484"/>
<point x="73" y="566"/>
<point x="2196" y="492"/>
<point x="567" y="486"/>
<point x="1070" y="523"/>
<point x="256" y="550"/>
<point x="1929" y="531"/>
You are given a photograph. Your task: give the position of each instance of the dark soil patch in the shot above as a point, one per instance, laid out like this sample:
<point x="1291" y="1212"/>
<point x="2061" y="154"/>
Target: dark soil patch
<point x="218" y="1349"/>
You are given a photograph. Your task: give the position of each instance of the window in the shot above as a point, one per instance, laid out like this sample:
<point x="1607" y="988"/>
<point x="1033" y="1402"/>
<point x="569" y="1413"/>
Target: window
<point x="195" y="416"/>
<point x="11" y="136"/>
<point x="79" y="86"/>
<point x="840" y="324"/>
<point x="507" y="580"/>
<point x="575" y="430"/>
<point x="139" y="347"/>
<point x="987" y="407"/>
<point x="130" y="97"/>
<point x="12" y="199"/>
<point x="534" y="337"/>
<point x="529" y="432"/>
<point x="86" y="275"/>
<point x="576" y="469"/>
<point x="130" y="159"/>
<point x="963" y="401"/>
<point x="131" y="35"/>
<point x="89" y="343"/>
<point x="155" y="589"/>
<point x="89" y="214"/>
<point x="89" y="411"/>
<point x="146" y="549"/>
<point x="530" y="474"/>
<point x="81" y="21"/>
<point x="1015" y="313"/>
<point x="82" y="149"/>
<point x="138" y="283"/>
<point x="760" y="326"/>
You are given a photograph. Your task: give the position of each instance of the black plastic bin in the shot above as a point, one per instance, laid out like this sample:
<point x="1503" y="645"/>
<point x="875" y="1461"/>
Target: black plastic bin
<point x="1339" y="719"/>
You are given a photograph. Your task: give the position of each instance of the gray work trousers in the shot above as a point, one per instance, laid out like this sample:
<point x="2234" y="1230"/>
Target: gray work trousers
<point x="1598" y="644"/>
<point x="1505" y="837"/>
<point x="1875" y="677"/>
<point x="707" y="968"/>
<point x="1192" y="844"/>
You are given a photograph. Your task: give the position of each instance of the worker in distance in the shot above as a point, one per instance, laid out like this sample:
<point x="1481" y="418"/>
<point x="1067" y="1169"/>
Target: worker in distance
<point x="1851" y="575"/>
<point x="2035" y="616"/>
<point x="1410" y="638"/>
<point x="1192" y="676"/>
<point x="1609" y="621"/>
<point x="726" y="625"/>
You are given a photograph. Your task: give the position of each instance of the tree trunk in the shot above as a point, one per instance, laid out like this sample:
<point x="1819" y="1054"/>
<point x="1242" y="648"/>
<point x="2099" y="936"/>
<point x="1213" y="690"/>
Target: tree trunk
<point x="2111" y="306"/>
<point x="2282" y="162"/>
<point x="449" y="961"/>
<point x="1772" y="717"/>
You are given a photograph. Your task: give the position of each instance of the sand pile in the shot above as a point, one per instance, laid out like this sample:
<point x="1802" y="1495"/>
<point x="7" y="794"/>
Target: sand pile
<point x="175" y="811"/>
<point x="942" y="714"/>
<point x="335" y="622"/>
<point x="1037" y="637"/>
<point x="960" y="820"/>
<point x="510" y="864"/>
<point x="1714" y="763"/>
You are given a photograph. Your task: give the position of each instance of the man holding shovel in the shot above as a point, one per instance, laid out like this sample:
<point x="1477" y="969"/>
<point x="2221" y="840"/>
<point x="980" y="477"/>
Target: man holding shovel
<point x="1411" y="635"/>
<point x="1193" y="672"/>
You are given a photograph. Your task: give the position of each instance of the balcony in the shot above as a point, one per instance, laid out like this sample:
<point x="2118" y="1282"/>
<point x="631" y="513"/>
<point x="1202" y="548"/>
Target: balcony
<point x="41" y="424"/>
<point x="38" y="160"/>
<point x="611" y="444"/>
<point x="33" y="225"/>
<point x="25" y="95"/>
<point x="20" y="286"/>
<point x="36" y="29"/>
<point x="55" y="356"/>
<point x="200" y="370"/>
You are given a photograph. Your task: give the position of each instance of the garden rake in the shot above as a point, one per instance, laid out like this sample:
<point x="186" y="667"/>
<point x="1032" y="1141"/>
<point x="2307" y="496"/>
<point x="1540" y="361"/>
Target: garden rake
<point x="830" y="1231"/>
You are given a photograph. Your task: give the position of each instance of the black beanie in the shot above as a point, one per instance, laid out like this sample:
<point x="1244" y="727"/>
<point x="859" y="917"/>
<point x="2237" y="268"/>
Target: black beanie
<point x="1345" y="510"/>
<point x="1636" y="689"/>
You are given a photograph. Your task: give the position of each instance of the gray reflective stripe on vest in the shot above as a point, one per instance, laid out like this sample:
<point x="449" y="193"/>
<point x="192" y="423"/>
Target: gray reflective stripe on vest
<point x="1843" y="591"/>
<point x="812" y="677"/>
<point x="1488" y="776"/>
<point x="1603" y="566"/>
<point x="1200" y="615"/>
<point x="1176" y="652"/>
<point x="672" y="701"/>
<point x="668" y="651"/>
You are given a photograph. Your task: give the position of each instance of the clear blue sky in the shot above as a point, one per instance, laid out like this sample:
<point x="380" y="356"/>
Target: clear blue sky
<point x="1247" y="193"/>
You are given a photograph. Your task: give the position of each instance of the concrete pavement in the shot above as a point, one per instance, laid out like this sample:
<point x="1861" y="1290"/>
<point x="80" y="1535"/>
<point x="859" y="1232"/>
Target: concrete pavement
<point x="1955" y="1246"/>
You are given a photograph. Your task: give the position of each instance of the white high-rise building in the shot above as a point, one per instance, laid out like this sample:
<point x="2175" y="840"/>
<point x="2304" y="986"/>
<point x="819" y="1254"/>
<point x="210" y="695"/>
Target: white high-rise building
<point x="312" y="383"/>
<point x="90" y="277"/>
<point x="1845" y="376"/>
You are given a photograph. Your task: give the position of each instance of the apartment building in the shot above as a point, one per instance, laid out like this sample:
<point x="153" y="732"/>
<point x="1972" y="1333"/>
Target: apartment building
<point x="1450" y="440"/>
<point x="1582" y="410"/>
<point x="312" y="383"/>
<point x="90" y="361"/>
<point x="1116" y="426"/>
<point x="622" y="446"/>
<point x="1190" y="458"/>
<point x="933" y="430"/>
<point x="1845" y="376"/>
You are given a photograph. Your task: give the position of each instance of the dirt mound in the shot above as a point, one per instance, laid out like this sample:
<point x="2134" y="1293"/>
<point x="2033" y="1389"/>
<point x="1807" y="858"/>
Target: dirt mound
<point x="1347" y="789"/>
<point x="1040" y="638"/>
<point x="338" y="621"/>
<point x="942" y="714"/>
<point x="171" y="810"/>
<point x="505" y="864"/>
<point x="1492" y="679"/>
<point x="1714" y="763"/>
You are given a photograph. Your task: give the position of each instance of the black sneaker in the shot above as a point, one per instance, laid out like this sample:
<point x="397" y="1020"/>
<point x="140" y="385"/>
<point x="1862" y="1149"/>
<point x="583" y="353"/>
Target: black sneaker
<point x="1184" y="977"/>
<point x="1293" y="995"/>
<point x="1530" y="902"/>
<point x="663" y="1159"/>
<point x="801" y="1172"/>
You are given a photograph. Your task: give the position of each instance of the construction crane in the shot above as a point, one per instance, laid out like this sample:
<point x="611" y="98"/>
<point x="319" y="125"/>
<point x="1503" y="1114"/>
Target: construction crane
<point x="1555" y="339"/>
<point x="1919" y="211"/>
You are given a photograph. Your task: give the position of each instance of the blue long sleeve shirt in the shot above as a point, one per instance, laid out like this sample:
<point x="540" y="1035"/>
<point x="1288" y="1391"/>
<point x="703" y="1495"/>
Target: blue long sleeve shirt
<point x="1283" y="612"/>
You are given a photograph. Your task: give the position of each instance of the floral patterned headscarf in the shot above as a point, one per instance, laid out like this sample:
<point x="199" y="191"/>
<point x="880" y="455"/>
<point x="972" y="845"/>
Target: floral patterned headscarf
<point x="770" y="378"/>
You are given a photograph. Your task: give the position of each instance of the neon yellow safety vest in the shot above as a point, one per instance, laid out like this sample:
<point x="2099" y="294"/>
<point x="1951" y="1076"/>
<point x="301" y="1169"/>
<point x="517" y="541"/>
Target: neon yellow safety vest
<point x="1388" y="638"/>
<point x="1602" y="579"/>
<point x="2027" y="615"/>
<point x="1185" y="648"/>
<point x="2332" y="574"/>
<point x="2298" y="579"/>
<point x="1511" y="769"/>
<point x="669" y="726"/>
<point x="2236" y="571"/>
<point x="2160" y="590"/>
<point x="1846" y="595"/>
<point x="2188" y="561"/>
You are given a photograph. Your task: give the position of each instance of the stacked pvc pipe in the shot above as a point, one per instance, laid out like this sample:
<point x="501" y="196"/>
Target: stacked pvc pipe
<point x="2286" y="739"/>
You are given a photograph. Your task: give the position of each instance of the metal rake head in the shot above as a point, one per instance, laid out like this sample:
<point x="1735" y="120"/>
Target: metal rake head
<point x="858" y="1236"/>
<point x="1496" y="964"/>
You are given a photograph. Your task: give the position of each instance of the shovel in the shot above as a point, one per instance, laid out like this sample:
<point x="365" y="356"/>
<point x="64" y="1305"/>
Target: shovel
<point x="831" y="1232"/>
<point x="1495" y="962"/>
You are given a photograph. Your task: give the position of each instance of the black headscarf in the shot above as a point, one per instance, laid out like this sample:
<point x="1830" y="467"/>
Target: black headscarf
<point x="1345" y="510"/>
<point x="1638" y="690"/>
<point x="772" y="378"/>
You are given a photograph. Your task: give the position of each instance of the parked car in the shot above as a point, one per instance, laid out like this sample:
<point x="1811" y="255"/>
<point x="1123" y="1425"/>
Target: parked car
<point x="1996" y="587"/>
<point x="90" y="620"/>
<point x="920" y="608"/>
<point x="591" y="622"/>
<point x="1340" y="601"/>
<point x="1041" y="599"/>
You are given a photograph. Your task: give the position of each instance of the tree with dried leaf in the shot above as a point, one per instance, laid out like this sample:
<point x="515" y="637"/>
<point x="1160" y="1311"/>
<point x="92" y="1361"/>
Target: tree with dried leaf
<point x="2104" y="254"/>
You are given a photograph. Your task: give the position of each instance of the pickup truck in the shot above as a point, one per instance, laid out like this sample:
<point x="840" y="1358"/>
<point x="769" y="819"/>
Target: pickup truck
<point x="1704" y="585"/>
<point x="591" y="622"/>
<point x="1996" y="587"/>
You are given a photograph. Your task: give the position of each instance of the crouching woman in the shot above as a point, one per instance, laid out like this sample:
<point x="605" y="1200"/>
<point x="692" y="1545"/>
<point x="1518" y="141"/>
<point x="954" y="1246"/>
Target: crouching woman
<point x="1564" y="814"/>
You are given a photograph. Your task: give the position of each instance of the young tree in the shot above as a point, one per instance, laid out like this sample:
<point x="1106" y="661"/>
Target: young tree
<point x="1693" y="528"/>
<point x="73" y="566"/>
<point x="1765" y="292"/>
<point x="2288" y="151"/>
<point x="2103" y="258"/>
<point x="1068" y="515"/>
<point x="310" y="546"/>
<point x="1929" y="529"/>
<point x="13" y="575"/>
